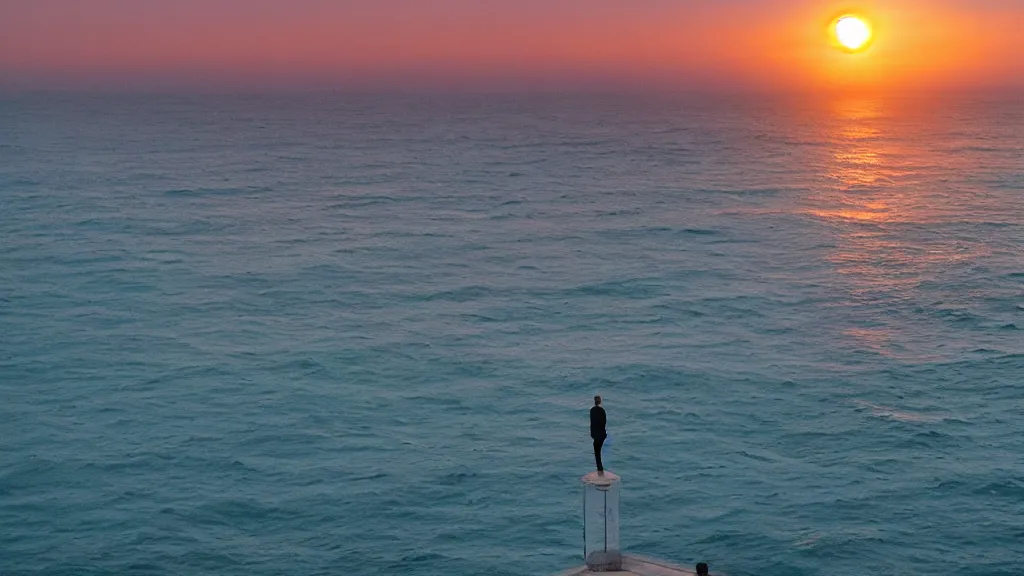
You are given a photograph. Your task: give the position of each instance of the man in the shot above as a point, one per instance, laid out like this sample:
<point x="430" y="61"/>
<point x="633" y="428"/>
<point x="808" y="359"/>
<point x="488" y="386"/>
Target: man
<point x="702" y="569"/>
<point x="598" y="421"/>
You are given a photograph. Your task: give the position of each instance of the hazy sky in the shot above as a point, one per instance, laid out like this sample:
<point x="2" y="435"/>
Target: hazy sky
<point x="680" y="44"/>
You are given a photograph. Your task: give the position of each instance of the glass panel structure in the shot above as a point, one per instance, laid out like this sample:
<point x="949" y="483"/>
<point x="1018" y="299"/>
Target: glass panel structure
<point x="601" y="522"/>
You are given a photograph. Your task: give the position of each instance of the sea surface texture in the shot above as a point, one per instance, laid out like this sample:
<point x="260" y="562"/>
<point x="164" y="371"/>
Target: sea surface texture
<point x="340" y="334"/>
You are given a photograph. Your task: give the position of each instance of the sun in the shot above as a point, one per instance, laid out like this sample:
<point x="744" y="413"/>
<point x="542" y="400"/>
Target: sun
<point x="852" y="32"/>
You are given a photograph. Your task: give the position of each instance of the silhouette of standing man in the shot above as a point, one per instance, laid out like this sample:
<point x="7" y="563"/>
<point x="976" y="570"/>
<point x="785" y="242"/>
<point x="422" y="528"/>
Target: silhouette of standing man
<point x="598" y="421"/>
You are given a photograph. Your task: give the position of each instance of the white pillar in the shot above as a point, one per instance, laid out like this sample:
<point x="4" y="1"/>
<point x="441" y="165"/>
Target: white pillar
<point x="601" y="522"/>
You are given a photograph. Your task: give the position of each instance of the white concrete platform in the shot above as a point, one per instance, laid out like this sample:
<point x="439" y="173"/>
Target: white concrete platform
<point x="634" y="566"/>
<point x="606" y="478"/>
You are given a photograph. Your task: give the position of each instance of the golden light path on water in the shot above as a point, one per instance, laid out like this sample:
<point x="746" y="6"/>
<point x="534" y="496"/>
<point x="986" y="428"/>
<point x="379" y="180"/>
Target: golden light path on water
<point x="873" y="197"/>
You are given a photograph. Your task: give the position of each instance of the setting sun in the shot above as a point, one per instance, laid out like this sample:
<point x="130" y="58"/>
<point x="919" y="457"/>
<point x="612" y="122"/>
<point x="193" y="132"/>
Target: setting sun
<point x="852" y="32"/>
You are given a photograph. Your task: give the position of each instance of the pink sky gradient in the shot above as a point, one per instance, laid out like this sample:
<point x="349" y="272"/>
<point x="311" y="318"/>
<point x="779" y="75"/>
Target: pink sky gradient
<point x="772" y="45"/>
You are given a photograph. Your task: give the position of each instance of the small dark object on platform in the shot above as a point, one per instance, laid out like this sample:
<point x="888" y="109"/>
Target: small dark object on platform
<point x="702" y="569"/>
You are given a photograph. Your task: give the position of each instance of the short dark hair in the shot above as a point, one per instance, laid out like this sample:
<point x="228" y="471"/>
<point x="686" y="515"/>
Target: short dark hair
<point x="597" y="399"/>
<point x="702" y="569"/>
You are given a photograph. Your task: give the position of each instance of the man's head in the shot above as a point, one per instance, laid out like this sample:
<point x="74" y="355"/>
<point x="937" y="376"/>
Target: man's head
<point x="702" y="569"/>
<point x="597" y="400"/>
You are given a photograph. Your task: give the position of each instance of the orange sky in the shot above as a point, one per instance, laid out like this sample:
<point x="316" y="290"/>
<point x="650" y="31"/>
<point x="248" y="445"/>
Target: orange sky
<point x="775" y="45"/>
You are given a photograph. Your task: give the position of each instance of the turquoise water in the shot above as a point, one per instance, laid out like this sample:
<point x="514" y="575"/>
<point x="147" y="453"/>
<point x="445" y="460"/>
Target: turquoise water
<point x="353" y="334"/>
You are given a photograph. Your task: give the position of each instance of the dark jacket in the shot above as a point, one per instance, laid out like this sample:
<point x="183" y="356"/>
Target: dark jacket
<point x="598" y="421"/>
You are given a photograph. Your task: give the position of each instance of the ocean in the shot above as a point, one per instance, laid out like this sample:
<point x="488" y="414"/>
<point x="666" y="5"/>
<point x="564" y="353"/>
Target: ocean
<point x="360" y="334"/>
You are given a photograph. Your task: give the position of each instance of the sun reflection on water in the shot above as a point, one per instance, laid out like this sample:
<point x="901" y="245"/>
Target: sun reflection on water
<point x="862" y="169"/>
<point x="885" y="244"/>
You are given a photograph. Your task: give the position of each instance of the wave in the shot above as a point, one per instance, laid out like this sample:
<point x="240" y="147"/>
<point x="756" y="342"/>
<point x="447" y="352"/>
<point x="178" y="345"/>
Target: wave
<point x="892" y="413"/>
